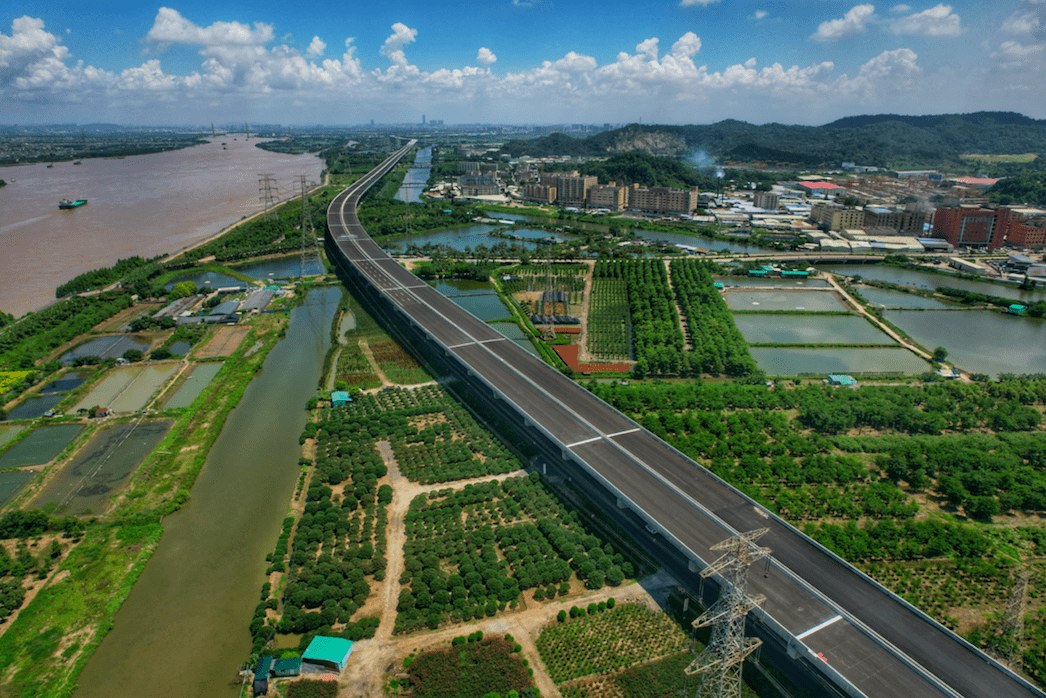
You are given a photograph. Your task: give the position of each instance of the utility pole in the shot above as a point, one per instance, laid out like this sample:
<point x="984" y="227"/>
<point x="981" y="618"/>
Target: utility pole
<point x="719" y="665"/>
<point x="269" y="193"/>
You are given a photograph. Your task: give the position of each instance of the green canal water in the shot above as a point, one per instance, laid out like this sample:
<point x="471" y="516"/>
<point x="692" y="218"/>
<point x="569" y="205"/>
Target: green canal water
<point x="182" y="632"/>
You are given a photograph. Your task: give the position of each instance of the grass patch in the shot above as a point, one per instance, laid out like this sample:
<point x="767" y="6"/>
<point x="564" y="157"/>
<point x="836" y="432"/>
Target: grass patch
<point x="52" y="639"/>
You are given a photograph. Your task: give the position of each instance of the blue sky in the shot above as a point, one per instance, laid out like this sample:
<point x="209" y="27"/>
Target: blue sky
<point x="516" y="61"/>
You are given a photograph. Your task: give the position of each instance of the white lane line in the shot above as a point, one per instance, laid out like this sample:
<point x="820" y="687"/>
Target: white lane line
<point x="586" y="441"/>
<point x="622" y="433"/>
<point x="463" y="344"/>
<point x="814" y="629"/>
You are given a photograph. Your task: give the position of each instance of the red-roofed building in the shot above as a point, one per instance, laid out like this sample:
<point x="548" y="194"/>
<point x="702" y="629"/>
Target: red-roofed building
<point x="978" y="182"/>
<point x="818" y="187"/>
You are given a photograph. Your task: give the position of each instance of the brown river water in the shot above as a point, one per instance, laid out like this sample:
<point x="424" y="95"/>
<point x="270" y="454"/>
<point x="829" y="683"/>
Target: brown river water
<point x="143" y="205"/>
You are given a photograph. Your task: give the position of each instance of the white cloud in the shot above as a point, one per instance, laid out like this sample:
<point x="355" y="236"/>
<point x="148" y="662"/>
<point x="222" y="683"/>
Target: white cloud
<point x="652" y="81"/>
<point x="760" y="14"/>
<point x="1014" y="54"/>
<point x="936" y="21"/>
<point x="316" y="47"/>
<point x="400" y="37"/>
<point x="1028" y="20"/>
<point x="486" y="56"/>
<point x="900" y="9"/>
<point x="170" y="27"/>
<point x="702" y="3"/>
<point x="648" y="48"/>
<point x="688" y="45"/>
<point x="854" y="22"/>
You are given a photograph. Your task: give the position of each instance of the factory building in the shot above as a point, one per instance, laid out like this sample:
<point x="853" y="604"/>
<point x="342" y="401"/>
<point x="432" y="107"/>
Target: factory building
<point x="971" y="226"/>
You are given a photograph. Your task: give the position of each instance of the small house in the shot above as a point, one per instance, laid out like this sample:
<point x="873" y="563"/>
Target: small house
<point x="330" y="652"/>
<point x="841" y="379"/>
<point x="340" y="398"/>
<point x="286" y="667"/>
<point x="1016" y="309"/>
<point x="261" y="676"/>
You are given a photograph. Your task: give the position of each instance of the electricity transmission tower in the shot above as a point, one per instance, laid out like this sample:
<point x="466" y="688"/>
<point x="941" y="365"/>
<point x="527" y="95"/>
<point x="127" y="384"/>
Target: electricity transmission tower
<point x="719" y="665"/>
<point x="549" y="295"/>
<point x="269" y="193"/>
<point x="309" y="245"/>
<point x="1009" y="642"/>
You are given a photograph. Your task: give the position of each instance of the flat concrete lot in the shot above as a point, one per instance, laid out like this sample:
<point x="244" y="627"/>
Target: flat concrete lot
<point x="805" y="585"/>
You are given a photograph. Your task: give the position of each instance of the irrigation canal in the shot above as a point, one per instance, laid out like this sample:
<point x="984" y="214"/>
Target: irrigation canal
<point x="182" y="632"/>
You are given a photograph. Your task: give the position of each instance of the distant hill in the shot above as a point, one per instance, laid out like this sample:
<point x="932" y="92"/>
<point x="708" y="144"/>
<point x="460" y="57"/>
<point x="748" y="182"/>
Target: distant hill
<point x="884" y="140"/>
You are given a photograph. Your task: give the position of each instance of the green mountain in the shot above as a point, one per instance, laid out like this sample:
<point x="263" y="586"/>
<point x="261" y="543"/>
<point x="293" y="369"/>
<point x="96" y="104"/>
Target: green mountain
<point x="884" y="140"/>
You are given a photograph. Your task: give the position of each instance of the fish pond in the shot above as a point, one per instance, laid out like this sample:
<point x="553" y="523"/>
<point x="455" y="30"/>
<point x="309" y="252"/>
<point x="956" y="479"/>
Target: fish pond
<point x="127" y="388"/>
<point x="11" y="483"/>
<point x="112" y="347"/>
<point x="35" y="406"/>
<point x="930" y="280"/>
<point x="101" y="468"/>
<point x="188" y="391"/>
<point x="41" y="446"/>
<point x="979" y="341"/>
<point x="787" y="361"/>
<point x="208" y="280"/>
<point x="817" y="301"/>
<point x="773" y="328"/>
<point x="283" y="268"/>
<point x="759" y="281"/>
<point x="886" y="298"/>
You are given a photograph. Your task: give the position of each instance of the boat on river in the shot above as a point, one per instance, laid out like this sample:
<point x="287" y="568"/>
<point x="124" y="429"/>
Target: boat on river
<point x="66" y="203"/>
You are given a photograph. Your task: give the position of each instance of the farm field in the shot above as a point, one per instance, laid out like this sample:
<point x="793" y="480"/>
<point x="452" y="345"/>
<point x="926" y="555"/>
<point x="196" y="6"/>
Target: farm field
<point x="470" y="553"/>
<point x="609" y="321"/>
<point x="607" y="641"/>
<point x="470" y="668"/>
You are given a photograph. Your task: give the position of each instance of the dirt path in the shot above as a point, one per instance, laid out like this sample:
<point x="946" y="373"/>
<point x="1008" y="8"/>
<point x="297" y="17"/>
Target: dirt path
<point x="365" y="675"/>
<point x="377" y="660"/>
<point x="334" y="370"/>
<point x="687" y="346"/>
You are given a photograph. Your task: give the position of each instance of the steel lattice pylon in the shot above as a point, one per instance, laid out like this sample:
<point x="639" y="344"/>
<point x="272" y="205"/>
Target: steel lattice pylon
<point x="1009" y="643"/>
<point x="269" y="193"/>
<point x="719" y="665"/>
<point x="309" y="244"/>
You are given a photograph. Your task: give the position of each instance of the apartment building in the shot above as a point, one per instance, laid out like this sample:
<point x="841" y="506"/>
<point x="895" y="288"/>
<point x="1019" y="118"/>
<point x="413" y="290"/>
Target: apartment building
<point x="662" y="200"/>
<point x="836" y="217"/>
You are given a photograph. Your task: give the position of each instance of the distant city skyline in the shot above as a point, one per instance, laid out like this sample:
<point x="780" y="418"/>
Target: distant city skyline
<point x="517" y="61"/>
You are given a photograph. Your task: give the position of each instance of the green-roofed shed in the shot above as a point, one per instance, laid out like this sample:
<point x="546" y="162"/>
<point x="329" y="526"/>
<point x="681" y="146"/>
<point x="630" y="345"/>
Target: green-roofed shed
<point x="287" y="667"/>
<point x="1017" y="309"/>
<point x="330" y="652"/>
<point x="261" y="676"/>
<point x="841" y="379"/>
<point x="340" y="398"/>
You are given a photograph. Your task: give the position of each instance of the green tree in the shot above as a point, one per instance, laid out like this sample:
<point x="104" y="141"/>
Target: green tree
<point x="133" y="355"/>
<point x="940" y="354"/>
<point x="182" y="289"/>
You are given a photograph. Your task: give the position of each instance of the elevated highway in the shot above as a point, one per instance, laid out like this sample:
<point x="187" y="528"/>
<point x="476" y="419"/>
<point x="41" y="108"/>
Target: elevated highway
<point x="858" y="637"/>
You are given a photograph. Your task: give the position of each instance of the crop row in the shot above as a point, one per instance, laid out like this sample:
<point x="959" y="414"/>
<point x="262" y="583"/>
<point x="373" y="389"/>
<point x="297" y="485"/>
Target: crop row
<point x="597" y="644"/>
<point x="609" y="320"/>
